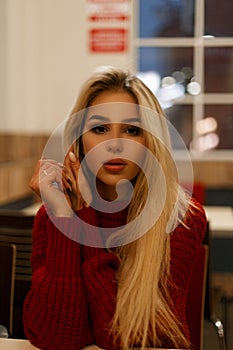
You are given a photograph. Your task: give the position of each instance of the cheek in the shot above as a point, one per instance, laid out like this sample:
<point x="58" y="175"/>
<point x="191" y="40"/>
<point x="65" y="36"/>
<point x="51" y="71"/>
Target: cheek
<point x="137" y="154"/>
<point x="93" y="153"/>
<point x="86" y="144"/>
<point x="134" y="171"/>
<point x="137" y="162"/>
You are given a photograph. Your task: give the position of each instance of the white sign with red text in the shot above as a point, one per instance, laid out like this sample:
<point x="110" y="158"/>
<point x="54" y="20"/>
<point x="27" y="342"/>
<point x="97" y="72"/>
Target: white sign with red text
<point x="108" y="10"/>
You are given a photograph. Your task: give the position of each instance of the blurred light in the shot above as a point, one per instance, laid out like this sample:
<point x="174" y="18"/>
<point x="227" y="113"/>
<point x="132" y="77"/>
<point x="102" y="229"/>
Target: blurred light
<point x="168" y="81"/>
<point x="187" y="71"/>
<point x="179" y="76"/>
<point x="168" y="93"/>
<point x="194" y="88"/>
<point x="151" y="79"/>
<point x="206" y="125"/>
<point x="208" y="36"/>
<point x="207" y="142"/>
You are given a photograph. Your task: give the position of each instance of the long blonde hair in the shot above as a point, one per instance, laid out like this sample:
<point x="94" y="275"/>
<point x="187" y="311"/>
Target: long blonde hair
<point x="143" y="315"/>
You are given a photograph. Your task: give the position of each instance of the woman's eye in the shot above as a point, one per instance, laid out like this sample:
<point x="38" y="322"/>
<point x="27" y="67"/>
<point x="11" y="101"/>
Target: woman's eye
<point x="99" y="129"/>
<point x="133" y="130"/>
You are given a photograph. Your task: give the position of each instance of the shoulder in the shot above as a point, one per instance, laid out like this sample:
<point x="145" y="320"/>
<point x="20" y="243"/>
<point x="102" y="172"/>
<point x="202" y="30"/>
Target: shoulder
<point x="196" y="216"/>
<point x="41" y="215"/>
<point x="193" y="225"/>
<point x="40" y="220"/>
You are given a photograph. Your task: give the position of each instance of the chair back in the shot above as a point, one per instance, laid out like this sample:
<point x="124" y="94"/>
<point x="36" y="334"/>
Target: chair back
<point x="196" y="298"/>
<point x="7" y="280"/>
<point x="16" y="228"/>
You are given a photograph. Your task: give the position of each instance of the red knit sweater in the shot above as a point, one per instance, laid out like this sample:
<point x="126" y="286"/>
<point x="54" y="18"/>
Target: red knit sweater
<point x="72" y="297"/>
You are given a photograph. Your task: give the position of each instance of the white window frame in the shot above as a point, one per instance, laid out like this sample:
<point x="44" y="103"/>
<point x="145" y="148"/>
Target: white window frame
<point x="199" y="42"/>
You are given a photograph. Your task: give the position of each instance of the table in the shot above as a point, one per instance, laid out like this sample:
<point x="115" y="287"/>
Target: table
<point x="221" y="243"/>
<point x="31" y="209"/>
<point x="16" y="344"/>
<point x="220" y="220"/>
<point x="21" y="344"/>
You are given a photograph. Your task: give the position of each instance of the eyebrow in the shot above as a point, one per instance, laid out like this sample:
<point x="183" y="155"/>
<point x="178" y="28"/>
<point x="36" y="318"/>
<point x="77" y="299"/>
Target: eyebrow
<point x="106" y="119"/>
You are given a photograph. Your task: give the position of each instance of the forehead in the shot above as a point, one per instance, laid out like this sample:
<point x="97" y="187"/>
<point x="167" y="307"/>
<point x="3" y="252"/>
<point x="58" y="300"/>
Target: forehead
<point x="116" y="106"/>
<point x="113" y="96"/>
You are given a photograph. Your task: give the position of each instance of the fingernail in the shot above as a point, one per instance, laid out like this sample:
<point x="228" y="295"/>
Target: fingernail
<point x="72" y="157"/>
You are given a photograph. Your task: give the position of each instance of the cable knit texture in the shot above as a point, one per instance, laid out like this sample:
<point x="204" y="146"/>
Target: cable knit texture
<point x="73" y="294"/>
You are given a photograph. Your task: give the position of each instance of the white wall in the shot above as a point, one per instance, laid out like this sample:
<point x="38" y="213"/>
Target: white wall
<point x="45" y="60"/>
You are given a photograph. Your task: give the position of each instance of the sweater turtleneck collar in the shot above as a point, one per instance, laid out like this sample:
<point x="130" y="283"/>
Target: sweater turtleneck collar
<point x="105" y="214"/>
<point x="113" y="215"/>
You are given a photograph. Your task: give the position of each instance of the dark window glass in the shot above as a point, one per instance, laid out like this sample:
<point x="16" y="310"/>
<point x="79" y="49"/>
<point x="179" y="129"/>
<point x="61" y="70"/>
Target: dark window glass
<point x="218" y="18"/>
<point x="180" y="117"/>
<point x="166" y="60"/>
<point x="219" y="69"/>
<point x="166" y="18"/>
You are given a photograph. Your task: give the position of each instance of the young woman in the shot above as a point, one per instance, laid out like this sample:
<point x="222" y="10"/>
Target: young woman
<point x="107" y="270"/>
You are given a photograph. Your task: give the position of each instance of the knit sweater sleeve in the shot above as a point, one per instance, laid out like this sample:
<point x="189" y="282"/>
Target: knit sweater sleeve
<point x="99" y="273"/>
<point x="185" y="241"/>
<point x="56" y="309"/>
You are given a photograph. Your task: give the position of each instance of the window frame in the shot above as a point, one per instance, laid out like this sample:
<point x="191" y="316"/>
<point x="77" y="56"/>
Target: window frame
<point x="199" y="42"/>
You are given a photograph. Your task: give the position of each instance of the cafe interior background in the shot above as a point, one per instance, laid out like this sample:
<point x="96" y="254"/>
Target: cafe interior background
<point x="183" y="50"/>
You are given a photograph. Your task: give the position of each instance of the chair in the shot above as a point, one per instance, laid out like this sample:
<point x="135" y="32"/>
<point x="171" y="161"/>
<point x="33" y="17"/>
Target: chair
<point x="196" y="298"/>
<point x="7" y="282"/>
<point x="212" y="300"/>
<point x="16" y="228"/>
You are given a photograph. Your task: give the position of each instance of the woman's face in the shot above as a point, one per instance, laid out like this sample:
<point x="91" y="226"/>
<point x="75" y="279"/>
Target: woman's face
<point x="113" y="140"/>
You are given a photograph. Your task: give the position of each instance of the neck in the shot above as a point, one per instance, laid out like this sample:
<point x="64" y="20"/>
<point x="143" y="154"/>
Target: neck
<point x="121" y="192"/>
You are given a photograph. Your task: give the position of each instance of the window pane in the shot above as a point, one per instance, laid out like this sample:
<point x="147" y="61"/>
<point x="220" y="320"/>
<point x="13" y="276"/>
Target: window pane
<point x="165" y="61"/>
<point x="218" y="18"/>
<point x="166" y="18"/>
<point x="219" y="69"/>
<point x="222" y="127"/>
<point x="180" y="117"/>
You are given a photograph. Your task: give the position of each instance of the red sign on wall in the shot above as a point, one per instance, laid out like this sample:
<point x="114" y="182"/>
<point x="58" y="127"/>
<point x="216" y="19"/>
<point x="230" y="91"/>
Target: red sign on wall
<point x="108" y="39"/>
<point x="108" y="10"/>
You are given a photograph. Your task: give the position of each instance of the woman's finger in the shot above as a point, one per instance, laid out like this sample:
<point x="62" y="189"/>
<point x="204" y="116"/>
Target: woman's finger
<point x="85" y="188"/>
<point x="34" y="181"/>
<point x="81" y="181"/>
<point x="52" y="175"/>
<point x="66" y="183"/>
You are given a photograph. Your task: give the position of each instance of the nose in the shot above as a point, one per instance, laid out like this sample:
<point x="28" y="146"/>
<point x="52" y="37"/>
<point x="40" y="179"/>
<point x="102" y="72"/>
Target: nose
<point x="114" y="145"/>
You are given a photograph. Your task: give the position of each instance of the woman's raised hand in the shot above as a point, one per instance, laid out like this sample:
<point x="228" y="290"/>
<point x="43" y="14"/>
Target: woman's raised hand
<point x="58" y="185"/>
<point x="47" y="183"/>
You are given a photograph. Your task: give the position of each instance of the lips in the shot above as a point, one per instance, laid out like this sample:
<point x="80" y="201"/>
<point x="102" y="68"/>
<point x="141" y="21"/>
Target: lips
<point x="115" y="165"/>
<point x="117" y="161"/>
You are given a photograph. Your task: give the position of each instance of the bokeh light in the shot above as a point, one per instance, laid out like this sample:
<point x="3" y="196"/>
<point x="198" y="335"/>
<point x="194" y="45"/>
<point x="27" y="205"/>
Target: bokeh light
<point x="206" y="125"/>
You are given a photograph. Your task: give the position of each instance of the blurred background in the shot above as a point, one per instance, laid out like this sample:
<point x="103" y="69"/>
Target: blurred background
<point x="182" y="49"/>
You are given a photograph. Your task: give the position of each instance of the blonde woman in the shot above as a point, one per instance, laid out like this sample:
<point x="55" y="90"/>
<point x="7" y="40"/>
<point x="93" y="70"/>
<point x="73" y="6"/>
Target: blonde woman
<point x="111" y="262"/>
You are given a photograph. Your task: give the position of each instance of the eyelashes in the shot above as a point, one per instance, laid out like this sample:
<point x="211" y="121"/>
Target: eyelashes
<point x="134" y="130"/>
<point x="130" y="130"/>
<point x="99" y="129"/>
